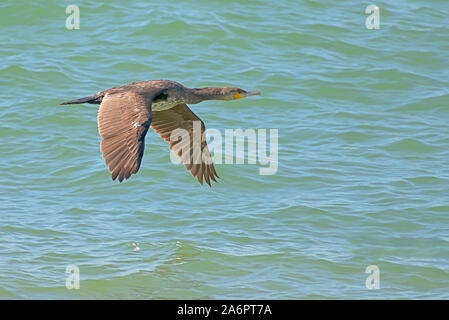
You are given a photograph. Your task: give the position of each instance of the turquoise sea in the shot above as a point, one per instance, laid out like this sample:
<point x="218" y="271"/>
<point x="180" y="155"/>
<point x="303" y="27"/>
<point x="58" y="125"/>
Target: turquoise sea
<point x="363" y="152"/>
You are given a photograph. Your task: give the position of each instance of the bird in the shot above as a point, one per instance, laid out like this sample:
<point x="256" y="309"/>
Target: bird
<point x="127" y="112"/>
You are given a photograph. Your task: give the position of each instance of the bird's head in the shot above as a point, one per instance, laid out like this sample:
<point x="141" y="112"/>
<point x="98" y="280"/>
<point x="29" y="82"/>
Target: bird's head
<point x="233" y="93"/>
<point x="217" y="93"/>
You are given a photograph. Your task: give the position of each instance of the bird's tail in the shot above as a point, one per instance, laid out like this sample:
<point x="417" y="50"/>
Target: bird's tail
<point x="91" y="99"/>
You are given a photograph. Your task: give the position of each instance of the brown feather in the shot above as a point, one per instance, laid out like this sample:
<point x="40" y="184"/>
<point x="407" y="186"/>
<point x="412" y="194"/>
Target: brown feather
<point x="123" y="121"/>
<point x="166" y="121"/>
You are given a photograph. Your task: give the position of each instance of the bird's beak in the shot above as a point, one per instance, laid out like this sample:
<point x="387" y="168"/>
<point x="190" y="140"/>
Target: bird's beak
<point x="251" y="93"/>
<point x="246" y="94"/>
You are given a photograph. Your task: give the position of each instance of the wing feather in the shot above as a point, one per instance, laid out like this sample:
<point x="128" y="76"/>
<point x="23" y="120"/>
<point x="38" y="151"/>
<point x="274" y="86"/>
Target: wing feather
<point x="165" y="123"/>
<point x="123" y="121"/>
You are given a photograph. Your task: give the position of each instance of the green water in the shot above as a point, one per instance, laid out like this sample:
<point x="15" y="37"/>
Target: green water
<point x="363" y="167"/>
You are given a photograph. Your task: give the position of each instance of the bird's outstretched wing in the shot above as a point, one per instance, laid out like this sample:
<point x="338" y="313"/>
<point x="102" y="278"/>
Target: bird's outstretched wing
<point x="123" y="121"/>
<point x="184" y="131"/>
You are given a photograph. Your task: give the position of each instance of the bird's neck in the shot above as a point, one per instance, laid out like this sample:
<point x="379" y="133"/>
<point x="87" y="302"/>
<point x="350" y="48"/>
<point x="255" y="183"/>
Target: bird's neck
<point x="206" y="93"/>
